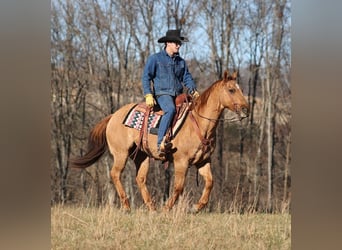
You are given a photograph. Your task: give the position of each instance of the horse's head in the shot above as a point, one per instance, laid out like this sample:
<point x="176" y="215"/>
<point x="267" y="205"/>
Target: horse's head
<point x="231" y="96"/>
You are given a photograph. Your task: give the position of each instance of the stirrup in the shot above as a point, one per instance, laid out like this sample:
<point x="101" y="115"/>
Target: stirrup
<point x="165" y="147"/>
<point x="161" y="153"/>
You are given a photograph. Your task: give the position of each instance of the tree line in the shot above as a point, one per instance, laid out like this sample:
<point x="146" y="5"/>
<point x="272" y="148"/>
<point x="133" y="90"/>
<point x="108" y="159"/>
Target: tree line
<point x="98" y="51"/>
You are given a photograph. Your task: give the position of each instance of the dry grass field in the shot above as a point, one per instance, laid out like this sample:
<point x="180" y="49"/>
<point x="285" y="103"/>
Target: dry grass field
<point x="111" y="228"/>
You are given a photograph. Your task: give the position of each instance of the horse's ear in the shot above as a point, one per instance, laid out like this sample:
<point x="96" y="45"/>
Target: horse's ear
<point x="235" y="75"/>
<point x="226" y="75"/>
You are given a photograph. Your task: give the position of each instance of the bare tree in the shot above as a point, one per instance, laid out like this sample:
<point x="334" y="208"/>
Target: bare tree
<point x="68" y="91"/>
<point x="272" y="85"/>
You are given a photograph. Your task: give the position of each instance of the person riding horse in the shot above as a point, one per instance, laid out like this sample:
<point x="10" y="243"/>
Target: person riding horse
<point x="168" y="73"/>
<point x="194" y="143"/>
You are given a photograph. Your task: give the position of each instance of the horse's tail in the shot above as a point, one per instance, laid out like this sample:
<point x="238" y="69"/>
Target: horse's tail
<point x="97" y="145"/>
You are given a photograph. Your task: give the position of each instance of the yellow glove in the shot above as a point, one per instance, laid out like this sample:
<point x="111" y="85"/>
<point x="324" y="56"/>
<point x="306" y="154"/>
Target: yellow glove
<point x="195" y="94"/>
<point x="149" y="100"/>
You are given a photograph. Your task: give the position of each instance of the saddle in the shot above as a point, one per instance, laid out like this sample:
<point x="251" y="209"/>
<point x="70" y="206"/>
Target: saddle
<point x="182" y="104"/>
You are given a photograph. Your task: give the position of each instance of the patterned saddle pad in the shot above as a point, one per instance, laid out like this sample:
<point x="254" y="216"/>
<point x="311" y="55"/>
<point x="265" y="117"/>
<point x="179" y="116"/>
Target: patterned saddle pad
<point x="136" y="115"/>
<point x="135" y="119"/>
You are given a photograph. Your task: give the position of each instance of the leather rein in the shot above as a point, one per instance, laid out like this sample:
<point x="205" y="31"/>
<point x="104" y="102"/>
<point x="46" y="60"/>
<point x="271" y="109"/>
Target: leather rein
<point x="233" y="119"/>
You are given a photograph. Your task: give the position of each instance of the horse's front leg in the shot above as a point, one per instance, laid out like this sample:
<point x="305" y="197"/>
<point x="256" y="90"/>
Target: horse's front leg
<point x="143" y="166"/>
<point x="205" y="172"/>
<point x="178" y="187"/>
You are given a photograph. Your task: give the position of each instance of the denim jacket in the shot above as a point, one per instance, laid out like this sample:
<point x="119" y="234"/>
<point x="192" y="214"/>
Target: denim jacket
<point x="167" y="74"/>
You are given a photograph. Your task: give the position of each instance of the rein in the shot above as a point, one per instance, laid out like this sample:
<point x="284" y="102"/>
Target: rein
<point x="233" y="119"/>
<point x="205" y="142"/>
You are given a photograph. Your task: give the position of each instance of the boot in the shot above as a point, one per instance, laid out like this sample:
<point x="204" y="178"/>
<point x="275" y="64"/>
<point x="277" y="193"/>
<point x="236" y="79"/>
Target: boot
<point x="165" y="145"/>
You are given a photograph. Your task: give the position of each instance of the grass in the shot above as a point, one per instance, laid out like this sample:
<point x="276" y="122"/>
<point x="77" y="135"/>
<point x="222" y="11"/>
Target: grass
<point x="110" y="228"/>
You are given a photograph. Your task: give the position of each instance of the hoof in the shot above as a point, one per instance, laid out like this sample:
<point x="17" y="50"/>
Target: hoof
<point x="194" y="210"/>
<point x="125" y="211"/>
<point x="166" y="209"/>
<point x="152" y="209"/>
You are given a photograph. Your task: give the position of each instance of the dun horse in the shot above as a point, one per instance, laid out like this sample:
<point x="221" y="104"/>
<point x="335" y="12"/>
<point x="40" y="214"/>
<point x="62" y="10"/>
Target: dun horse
<point x="192" y="145"/>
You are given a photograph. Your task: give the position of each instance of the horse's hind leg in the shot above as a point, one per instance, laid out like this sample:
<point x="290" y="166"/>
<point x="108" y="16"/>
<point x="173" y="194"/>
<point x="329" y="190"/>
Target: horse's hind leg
<point x="205" y="172"/>
<point x="142" y="163"/>
<point x="118" y="166"/>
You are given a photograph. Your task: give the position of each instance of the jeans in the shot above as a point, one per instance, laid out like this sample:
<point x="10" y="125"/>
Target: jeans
<point x="167" y="104"/>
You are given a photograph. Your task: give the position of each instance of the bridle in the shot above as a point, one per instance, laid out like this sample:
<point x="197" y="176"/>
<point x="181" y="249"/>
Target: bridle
<point x="205" y="142"/>
<point x="237" y="110"/>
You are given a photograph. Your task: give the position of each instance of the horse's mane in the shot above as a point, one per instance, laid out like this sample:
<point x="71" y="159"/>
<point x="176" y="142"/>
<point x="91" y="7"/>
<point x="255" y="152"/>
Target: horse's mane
<point x="201" y="101"/>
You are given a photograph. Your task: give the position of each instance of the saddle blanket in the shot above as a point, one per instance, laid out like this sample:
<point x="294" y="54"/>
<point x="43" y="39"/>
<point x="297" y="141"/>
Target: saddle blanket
<point x="135" y="119"/>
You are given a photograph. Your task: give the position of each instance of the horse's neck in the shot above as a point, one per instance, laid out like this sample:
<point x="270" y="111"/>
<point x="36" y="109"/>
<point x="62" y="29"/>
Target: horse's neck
<point x="208" y="116"/>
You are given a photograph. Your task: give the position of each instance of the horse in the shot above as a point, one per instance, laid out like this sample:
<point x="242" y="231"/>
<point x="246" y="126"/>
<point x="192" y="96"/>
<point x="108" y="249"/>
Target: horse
<point x="192" y="145"/>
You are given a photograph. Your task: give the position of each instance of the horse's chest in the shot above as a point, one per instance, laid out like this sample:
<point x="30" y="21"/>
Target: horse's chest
<point x="203" y="152"/>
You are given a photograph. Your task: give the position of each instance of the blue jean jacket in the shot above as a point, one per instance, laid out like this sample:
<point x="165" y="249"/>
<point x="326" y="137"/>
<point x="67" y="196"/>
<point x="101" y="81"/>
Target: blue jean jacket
<point x="167" y="74"/>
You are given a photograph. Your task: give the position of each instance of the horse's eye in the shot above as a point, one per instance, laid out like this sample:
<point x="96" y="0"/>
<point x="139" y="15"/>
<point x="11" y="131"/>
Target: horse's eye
<point x="232" y="91"/>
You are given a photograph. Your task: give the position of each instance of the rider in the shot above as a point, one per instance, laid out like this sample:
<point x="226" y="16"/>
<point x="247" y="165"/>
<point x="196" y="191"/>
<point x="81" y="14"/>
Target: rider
<point x="167" y="71"/>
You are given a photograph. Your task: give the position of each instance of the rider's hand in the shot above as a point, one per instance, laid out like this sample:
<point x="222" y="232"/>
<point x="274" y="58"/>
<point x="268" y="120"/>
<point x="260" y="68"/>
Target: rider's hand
<point x="195" y="94"/>
<point x="150" y="100"/>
